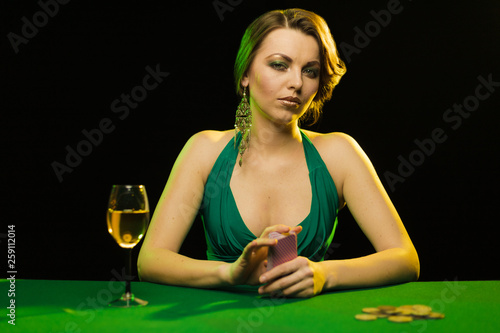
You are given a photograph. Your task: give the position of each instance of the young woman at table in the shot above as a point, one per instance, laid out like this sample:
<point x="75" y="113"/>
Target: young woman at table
<point x="274" y="176"/>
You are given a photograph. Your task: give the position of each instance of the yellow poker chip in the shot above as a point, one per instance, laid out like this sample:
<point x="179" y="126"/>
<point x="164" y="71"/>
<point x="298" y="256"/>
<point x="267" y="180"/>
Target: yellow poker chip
<point x="400" y="319"/>
<point x="399" y="314"/>
<point x="365" y="317"/>
<point x="371" y="310"/>
<point x="435" y="315"/>
<point x="421" y="310"/>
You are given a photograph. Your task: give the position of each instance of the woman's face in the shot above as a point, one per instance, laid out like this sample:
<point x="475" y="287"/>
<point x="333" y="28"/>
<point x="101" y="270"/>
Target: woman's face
<point x="284" y="76"/>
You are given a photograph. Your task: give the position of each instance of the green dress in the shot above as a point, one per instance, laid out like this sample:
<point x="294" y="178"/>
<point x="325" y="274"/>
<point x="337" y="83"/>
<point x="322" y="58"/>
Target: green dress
<point x="226" y="232"/>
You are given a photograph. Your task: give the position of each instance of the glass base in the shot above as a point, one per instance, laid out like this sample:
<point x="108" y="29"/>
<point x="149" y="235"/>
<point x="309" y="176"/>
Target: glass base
<point x="126" y="301"/>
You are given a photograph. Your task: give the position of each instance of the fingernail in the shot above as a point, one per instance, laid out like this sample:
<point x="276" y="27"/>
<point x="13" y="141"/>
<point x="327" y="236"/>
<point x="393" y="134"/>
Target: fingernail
<point x="263" y="279"/>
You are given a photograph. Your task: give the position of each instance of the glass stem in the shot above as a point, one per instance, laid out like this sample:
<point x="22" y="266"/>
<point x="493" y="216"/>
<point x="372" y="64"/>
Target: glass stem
<point x="128" y="272"/>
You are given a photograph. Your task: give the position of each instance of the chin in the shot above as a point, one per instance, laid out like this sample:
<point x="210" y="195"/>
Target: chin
<point x="284" y="116"/>
<point x="288" y="117"/>
<point x="285" y="121"/>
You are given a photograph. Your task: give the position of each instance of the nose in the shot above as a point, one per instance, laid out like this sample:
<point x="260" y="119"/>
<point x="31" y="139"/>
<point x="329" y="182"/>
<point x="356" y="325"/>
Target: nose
<point x="295" y="80"/>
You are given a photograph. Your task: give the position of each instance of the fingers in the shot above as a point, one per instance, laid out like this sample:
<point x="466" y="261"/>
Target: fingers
<point x="304" y="288"/>
<point x="299" y="263"/>
<point x="260" y="242"/>
<point x="297" y="229"/>
<point x="281" y="228"/>
<point x="293" y="278"/>
<point x="265" y="241"/>
<point x="255" y="245"/>
<point x="248" y="266"/>
<point x="283" y="285"/>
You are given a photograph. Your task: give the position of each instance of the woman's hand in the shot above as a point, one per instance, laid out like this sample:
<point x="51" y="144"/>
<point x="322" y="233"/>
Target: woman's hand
<point x="253" y="261"/>
<point x="299" y="277"/>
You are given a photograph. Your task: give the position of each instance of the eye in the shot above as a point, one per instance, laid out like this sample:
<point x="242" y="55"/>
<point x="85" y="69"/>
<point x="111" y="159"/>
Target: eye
<point x="312" y="72"/>
<point x="279" y="66"/>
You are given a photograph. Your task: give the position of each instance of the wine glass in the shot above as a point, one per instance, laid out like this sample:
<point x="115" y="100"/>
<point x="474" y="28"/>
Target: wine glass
<point x="128" y="219"/>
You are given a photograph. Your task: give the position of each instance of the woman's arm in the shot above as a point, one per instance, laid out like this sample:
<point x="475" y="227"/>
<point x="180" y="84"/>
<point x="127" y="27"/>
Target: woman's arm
<point x="177" y="208"/>
<point x="395" y="260"/>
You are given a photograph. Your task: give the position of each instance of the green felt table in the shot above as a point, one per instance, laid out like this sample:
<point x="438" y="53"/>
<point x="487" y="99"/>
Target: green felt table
<point x="81" y="306"/>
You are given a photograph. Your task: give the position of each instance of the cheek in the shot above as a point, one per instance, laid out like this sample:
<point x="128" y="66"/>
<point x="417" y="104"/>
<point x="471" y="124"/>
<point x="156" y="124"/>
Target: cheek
<point x="264" y="84"/>
<point x="312" y="89"/>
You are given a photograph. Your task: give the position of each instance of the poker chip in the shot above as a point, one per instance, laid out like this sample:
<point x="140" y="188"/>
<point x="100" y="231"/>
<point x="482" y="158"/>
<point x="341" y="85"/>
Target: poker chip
<point x="387" y="308"/>
<point x="400" y="319"/>
<point x="399" y="314"/>
<point x="365" y="316"/>
<point x="435" y="315"/>
<point x="421" y="310"/>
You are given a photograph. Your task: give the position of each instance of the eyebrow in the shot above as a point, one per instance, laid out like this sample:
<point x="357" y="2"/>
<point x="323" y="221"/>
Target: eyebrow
<point x="287" y="58"/>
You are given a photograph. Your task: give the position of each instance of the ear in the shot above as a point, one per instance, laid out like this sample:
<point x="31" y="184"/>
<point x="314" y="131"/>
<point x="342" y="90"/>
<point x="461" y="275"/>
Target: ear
<point x="245" y="81"/>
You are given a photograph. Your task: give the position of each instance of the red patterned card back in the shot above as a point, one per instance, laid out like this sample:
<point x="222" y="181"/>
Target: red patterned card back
<point x="284" y="251"/>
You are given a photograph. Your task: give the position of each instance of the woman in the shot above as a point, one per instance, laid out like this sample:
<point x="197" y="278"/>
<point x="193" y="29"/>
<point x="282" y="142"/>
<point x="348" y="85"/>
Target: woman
<point x="274" y="177"/>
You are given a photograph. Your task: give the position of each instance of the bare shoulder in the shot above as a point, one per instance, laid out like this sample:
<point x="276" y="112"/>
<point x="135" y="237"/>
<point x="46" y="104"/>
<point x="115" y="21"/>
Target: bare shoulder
<point x="341" y="154"/>
<point x="334" y="144"/>
<point x="204" y="147"/>
<point x="211" y="139"/>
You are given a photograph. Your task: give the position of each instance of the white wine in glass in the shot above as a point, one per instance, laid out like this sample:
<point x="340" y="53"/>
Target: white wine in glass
<point x="128" y="219"/>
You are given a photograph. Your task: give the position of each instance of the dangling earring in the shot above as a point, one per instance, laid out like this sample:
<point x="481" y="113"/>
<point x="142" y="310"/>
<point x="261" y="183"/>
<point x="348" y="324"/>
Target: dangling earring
<point x="242" y="124"/>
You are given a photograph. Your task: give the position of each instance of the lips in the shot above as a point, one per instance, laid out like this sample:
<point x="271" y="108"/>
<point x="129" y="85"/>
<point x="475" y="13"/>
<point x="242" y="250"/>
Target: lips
<point x="290" y="100"/>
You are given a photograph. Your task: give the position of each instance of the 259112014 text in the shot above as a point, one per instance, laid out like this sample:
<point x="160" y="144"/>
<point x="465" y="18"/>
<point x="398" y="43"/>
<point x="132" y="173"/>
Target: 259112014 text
<point x="11" y="273"/>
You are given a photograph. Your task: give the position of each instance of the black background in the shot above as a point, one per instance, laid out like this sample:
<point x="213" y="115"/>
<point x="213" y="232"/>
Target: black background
<point x="396" y="90"/>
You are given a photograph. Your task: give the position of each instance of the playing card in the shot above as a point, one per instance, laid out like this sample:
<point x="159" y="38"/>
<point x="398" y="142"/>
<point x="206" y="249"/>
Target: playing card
<point x="284" y="251"/>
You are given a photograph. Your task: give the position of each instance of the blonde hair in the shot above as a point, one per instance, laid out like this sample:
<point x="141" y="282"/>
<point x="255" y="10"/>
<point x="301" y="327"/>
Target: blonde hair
<point x="332" y="67"/>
